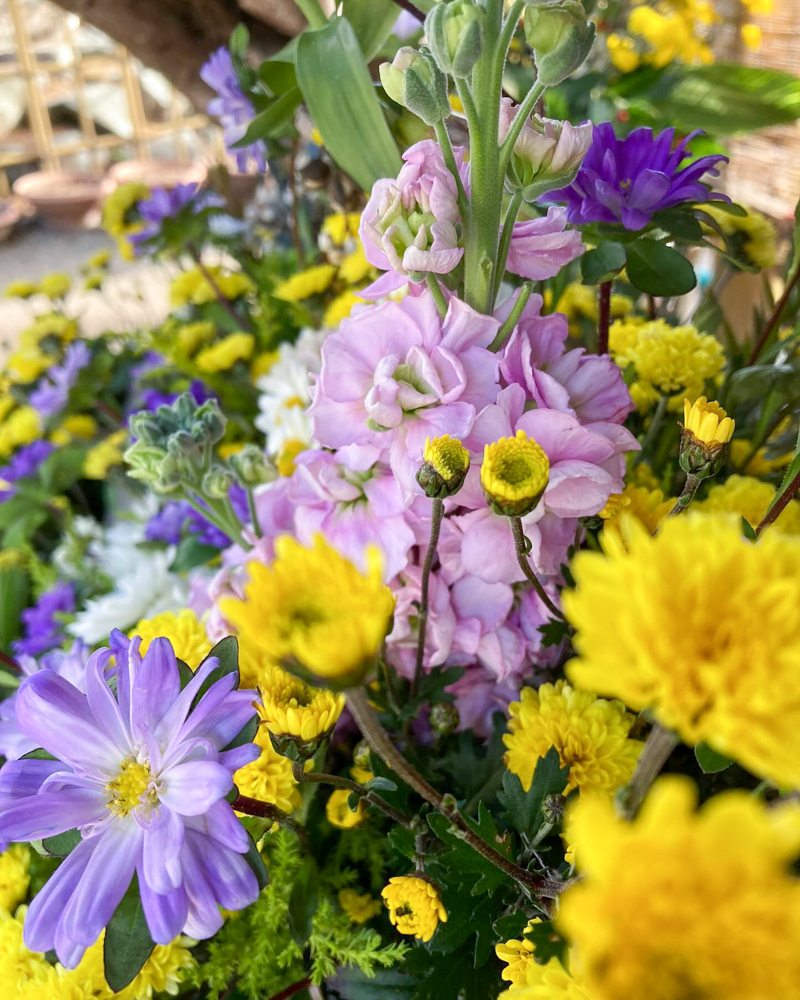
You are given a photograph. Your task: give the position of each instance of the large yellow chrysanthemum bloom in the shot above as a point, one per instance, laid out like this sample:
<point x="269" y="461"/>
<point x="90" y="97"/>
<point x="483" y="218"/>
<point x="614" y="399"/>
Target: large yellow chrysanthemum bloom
<point x="314" y="611"/>
<point x="673" y="358"/>
<point x="14" y="876"/>
<point x="589" y="733"/>
<point x="359" y="908"/>
<point x="292" y="708"/>
<point x="514" y="474"/>
<point x="22" y="972"/>
<point x="749" y="498"/>
<point x="269" y="778"/>
<point x="701" y="625"/>
<point x="683" y="904"/>
<point x="184" y="630"/>
<point x="415" y="906"/>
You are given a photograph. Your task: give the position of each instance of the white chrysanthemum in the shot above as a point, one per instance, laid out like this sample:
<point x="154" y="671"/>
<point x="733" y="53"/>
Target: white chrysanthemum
<point x="286" y="392"/>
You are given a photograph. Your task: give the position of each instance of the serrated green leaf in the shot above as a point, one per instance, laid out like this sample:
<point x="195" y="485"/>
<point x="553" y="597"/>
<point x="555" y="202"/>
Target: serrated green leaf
<point x="547" y="942"/>
<point x="524" y="809"/>
<point x="709" y="760"/>
<point x="401" y="839"/>
<point x="602" y="263"/>
<point x="127" y="944"/>
<point x="464" y="863"/>
<point x="657" y="269"/>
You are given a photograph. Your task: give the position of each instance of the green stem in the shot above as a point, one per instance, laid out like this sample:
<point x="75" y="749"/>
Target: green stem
<point x="510" y="26"/>
<point x="208" y="515"/>
<point x="521" y="117"/>
<point x="303" y="777"/>
<point x="438" y="295"/>
<point x="251" y="503"/>
<point x="686" y="497"/>
<point x="313" y="13"/>
<point x="505" y="239"/>
<point x="657" y="748"/>
<point x="443" y="138"/>
<point x="242" y="322"/>
<point x="521" y="549"/>
<point x="512" y="319"/>
<point x="436" y="523"/>
<point x="653" y="429"/>
<point x="378" y="739"/>
<point x="266" y="810"/>
<point x="789" y="492"/>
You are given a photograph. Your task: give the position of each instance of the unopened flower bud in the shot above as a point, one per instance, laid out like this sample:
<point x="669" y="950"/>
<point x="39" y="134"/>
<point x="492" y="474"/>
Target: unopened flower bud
<point x="553" y="807"/>
<point x="445" y="467"/>
<point x="514" y="475"/>
<point x="705" y="438"/>
<point x="561" y="37"/>
<point x="454" y="32"/>
<point x="251" y="467"/>
<point x="361" y="755"/>
<point x="444" y="718"/>
<point x="217" y="482"/>
<point x="414" y="80"/>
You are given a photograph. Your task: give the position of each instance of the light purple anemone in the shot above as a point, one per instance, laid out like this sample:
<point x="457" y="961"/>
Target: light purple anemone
<point x="52" y="393"/>
<point x="541" y="247"/>
<point x="163" y="203"/>
<point x="233" y="108"/>
<point x="142" y="774"/>
<point x="412" y="224"/>
<point x="397" y="373"/>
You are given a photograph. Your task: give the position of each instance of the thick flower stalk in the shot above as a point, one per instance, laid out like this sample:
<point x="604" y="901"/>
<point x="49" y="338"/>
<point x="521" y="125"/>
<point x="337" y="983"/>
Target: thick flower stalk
<point x="142" y="773"/>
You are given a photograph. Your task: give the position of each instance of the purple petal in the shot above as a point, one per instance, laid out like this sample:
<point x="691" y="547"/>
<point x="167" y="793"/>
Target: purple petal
<point x="47" y="907"/>
<point x="25" y="777"/>
<point x="220" y="823"/>
<point x="161" y="850"/>
<point x="156" y="685"/>
<point x="49" y="813"/>
<point x="165" y="913"/>
<point x="193" y="788"/>
<point x="204" y="918"/>
<point x="231" y="879"/>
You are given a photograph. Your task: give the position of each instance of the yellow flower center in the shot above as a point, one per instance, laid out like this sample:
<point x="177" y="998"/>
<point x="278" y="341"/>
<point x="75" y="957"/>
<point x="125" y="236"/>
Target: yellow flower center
<point x="446" y="456"/>
<point x="514" y="468"/>
<point x="126" y="791"/>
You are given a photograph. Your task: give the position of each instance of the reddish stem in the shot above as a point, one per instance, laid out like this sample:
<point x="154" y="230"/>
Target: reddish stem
<point x="774" y="318"/>
<point x="291" y="990"/>
<point x="9" y="661"/>
<point x="604" y="316"/>
<point x="788" y="494"/>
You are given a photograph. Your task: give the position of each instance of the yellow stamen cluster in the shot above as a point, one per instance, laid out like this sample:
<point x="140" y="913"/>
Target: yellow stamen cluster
<point x="589" y="733"/>
<point x="133" y="784"/>
<point x="514" y="474"/>
<point x="313" y="610"/>
<point x="292" y="708"/>
<point x="447" y="456"/>
<point x="359" y="908"/>
<point x="415" y="906"/>
<point x="190" y="642"/>
<point x="339" y="812"/>
<point x="708" y="422"/>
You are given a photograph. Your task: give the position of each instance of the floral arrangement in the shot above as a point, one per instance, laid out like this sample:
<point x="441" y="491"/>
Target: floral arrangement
<point x="352" y="613"/>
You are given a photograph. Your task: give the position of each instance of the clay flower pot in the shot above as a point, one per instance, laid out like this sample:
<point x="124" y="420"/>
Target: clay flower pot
<point x="65" y="199"/>
<point x="157" y="173"/>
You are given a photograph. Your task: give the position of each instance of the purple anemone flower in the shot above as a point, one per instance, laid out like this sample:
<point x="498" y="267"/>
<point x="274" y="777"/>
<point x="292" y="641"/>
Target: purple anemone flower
<point x="52" y="393"/>
<point x="164" y="203"/>
<point x="142" y="773"/>
<point x="232" y="106"/>
<point x="24" y="464"/>
<point x="629" y="180"/>
<point x="43" y="630"/>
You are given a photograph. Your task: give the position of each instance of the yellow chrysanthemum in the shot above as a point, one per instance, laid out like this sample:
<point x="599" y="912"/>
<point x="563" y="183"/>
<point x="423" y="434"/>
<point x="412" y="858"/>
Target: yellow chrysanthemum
<point x="313" y="607"/>
<point x="339" y="812"/>
<point x="447" y="456"/>
<point x="191" y="336"/>
<point x="707" y="421"/>
<point x="304" y="284"/>
<point x="673" y="31"/>
<point x="14" y="877"/>
<point x="26" y="365"/>
<point x="291" y="708"/>
<point x="21" y="971"/>
<point x="184" y="630"/>
<point x="225" y="353"/>
<point x="340" y="308"/>
<point x="531" y="980"/>
<point x="104" y="455"/>
<point x="589" y="733"/>
<point x="193" y="287"/>
<point x="339" y="227"/>
<point x="514" y="473"/>
<point x="117" y="206"/>
<point x="672" y="358"/>
<point x="359" y="908"/>
<point x="262" y="363"/>
<point x="579" y="301"/>
<point x="623" y="336"/>
<point x="684" y="904"/>
<point x="355" y="267"/>
<point x="759" y="464"/>
<point x="750" y="498"/>
<point x="22" y="426"/>
<point x="622" y="52"/>
<point x="683" y="640"/>
<point x="270" y="777"/>
<point x="55" y="286"/>
<point x="615" y="505"/>
<point x="79" y="425"/>
<point x="20" y="289"/>
<point x="647" y="506"/>
<point x="517" y="954"/>
<point x="753" y="236"/>
<point x="285" y="463"/>
<point x="415" y="906"/>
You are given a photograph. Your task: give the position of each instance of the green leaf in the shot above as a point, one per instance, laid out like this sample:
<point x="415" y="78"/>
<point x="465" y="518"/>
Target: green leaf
<point x="127" y="944"/>
<point x="246" y="734"/>
<point x="756" y="382"/>
<point x="227" y="652"/>
<point x="192" y="553"/>
<point x="14" y="593"/>
<point x="511" y="925"/>
<point x="602" y="263"/>
<point x="270" y="122"/>
<point x="791" y="473"/>
<point x="748" y="530"/>
<point x="185" y="672"/>
<point x="383" y="984"/>
<point x="709" y="760"/>
<point x="547" y="942"/>
<point x="525" y="808"/>
<point x="61" y="845"/>
<point x="464" y="863"/>
<point x="256" y="863"/>
<point x="277" y="76"/>
<point x="303" y="901"/>
<point x="342" y="102"/>
<point x="38" y="754"/>
<point x="240" y="39"/>
<point x="372" y="22"/>
<point x="681" y="225"/>
<point x="381" y="785"/>
<point x="726" y="98"/>
<point x="657" y="269"/>
<point x="401" y="839"/>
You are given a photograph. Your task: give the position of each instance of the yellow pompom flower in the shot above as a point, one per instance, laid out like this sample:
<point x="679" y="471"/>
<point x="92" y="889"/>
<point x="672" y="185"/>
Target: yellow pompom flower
<point x="225" y="353"/>
<point x="286" y="459"/>
<point x="622" y="52"/>
<point x="191" y="336"/>
<point x="339" y="812"/>
<point x="20" y="289"/>
<point x="531" y="980"/>
<point x="682" y="903"/>
<point x="589" y="733"/>
<point x="750" y="498"/>
<point x="269" y="778"/>
<point x="672" y="358"/>
<point x="753" y="236"/>
<point x="55" y="286"/>
<point x="22" y="426"/>
<point x="14" y="876"/>
<point x="184" y="630"/>
<point x="444" y="468"/>
<point x="193" y="287"/>
<point x="359" y="908"/>
<point x="340" y="308"/>
<point x="26" y="365"/>
<point x="313" y="610"/>
<point x="339" y="227"/>
<point x="292" y="708"/>
<point x="514" y="474"/>
<point x="355" y="267"/>
<point x="623" y="336"/>
<point x="79" y="425"/>
<point x="615" y="505"/>
<point x="647" y="506"/>
<point x="105" y="455"/>
<point x="415" y="906"/>
<point x="22" y="972"/>
<point x="304" y="284"/>
<point x="683" y="640"/>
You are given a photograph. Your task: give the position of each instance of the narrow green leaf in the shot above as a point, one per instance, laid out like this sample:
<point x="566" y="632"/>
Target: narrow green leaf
<point x="657" y="269"/>
<point x="748" y="530"/>
<point x="127" y="944"/>
<point x="185" y="672"/>
<point x="709" y="760"/>
<point x="240" y="39"/>
<point x="602" y="263"/>
<point x="269" y="122"/>
<point x="227" y="652"/>
<point x="38" y="754"/>
<point x="256" y="862"/>
<point x="14" y="592"/>
<point x="342" y="102"/>
<point x="372" y="22"/>
<point x="303" y="901"/>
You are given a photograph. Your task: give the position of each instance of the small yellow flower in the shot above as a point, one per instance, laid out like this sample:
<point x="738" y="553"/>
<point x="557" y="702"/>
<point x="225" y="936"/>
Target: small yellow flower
<point x="517" y="954"/>
<point x="355" y="267"/>
<point x="262" y="363"/>
<point x="589" y="733"/>
<point x="291" y="449"/>
<point x="117" y="207"/>
<point x="304" y="284"/>
<point x="360" y="909"/>
<point x="444" y="468"/>
<point x="104" y="455"/>
<point x="750" y="498"/>
<point x="269" y="778"/>
<point x="340" y="227"/>
<point x="79" y="425"/>
<point x="751" y="36"/>
<point x="27" y="365"/>
<point x="339" y="812"/>
<point x="98" y="261"/>
<point x="225" y="353"/>
<point x="191" y="336"/>
<point x="20" y="290"/>
<point x="647" y="506"/>
<point x="622" y="52"/>
<point x="55" y="286"/>
<point x="193" y="287"/>
<point x="14" y="876"/>
<point x="415" y="906"/>
<point x="184" y="630"/>
<point x="23" y="426"/>
<point x="340" y="308"/>
<point x="753" y="236"/>
<point x="615" y="505"/>
<point x="313" y="609"/>
<point x="93" y="282"/>
<point x="292" y="708"/>
<point x="708" y="422"/>
<point x="514" y="474"/>
<point x="361" y="774"/>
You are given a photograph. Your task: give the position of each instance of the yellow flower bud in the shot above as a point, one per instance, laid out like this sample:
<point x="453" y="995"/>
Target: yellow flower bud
<point x="445" y="467"/>
<point x="514" y="474"/>
<point x="707" y="431"/>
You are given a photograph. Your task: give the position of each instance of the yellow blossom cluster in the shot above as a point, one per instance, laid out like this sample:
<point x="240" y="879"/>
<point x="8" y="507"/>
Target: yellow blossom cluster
<point x="685" y="642"/>
<point x="415" y="906"/>
<point x="578" y="302"/>
<point x="120" y="219"/>
<point x="338" y="810"/>
<point x="224" y="354"/>
<point x="589" y="733"/>
<point x="750" y="498"/>
<point x="360" y="908"/>
<point x="753" y="236"/>
<point x="77" y="426"/>
<point x="104" y="455"/>
<point x="192" y="287"/>
<point x="269" y="778"/>
<point x="663" y="32"/>
<point x="184" y="630"/>
<point x="645" y="505"/>
<point x="14" y="876"/>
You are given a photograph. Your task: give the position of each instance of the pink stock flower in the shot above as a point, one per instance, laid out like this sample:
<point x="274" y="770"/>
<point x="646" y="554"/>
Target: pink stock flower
<point x="478" y="697"/>
<point x="401" y="643"/>
<point x="397" y="373"/>
<point x="541" y="247"/>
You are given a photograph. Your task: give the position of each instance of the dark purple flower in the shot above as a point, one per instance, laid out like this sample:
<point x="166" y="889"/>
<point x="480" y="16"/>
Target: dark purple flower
<point x="167" y="525"/>
<point x="629" y="180"/>
<point x="43" y="631"/>
<point x="142" y="773"/>
<point x="232" y="106"/>
<point x="52" y="392"/>
<point x="24" y="464"/>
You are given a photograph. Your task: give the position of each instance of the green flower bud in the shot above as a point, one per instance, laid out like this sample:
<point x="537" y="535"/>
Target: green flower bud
<point x="251" y="468"/>
<point x="454" y="32"/>
<point x="553" y="807"/>
<point x="217" y="482"/>
<point x="444" y="718"/>
<point x="295" y="748"/>
<point x="414" y="80"/>
<point x="561" y="37"/>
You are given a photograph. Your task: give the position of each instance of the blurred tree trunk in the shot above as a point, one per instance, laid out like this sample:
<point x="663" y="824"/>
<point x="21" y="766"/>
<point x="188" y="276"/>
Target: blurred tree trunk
<point x="176" y="37"/>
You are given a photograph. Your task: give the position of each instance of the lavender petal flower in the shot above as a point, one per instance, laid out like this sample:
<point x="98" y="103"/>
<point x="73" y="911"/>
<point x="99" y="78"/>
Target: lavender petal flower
<point x="233" y="108"/>
<point x="43" y="631"/>
<point x="52" y="393"/>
